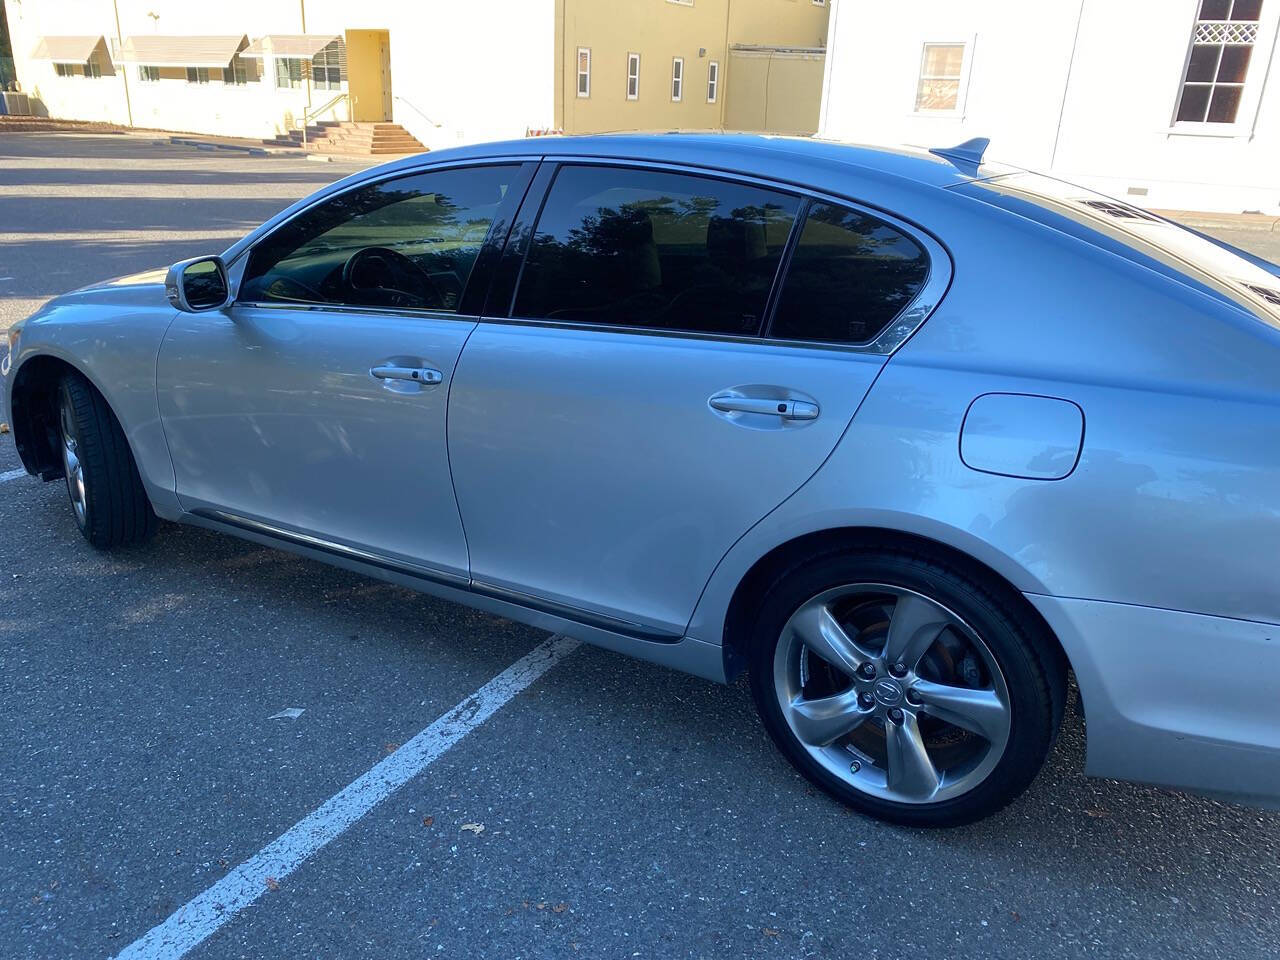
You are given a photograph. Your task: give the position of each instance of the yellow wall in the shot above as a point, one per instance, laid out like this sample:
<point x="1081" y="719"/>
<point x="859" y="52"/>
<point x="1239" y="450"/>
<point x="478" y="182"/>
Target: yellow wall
<point x="774" y="91"/>
<point x="701" y="32"/>
<point x="781" y="23"/>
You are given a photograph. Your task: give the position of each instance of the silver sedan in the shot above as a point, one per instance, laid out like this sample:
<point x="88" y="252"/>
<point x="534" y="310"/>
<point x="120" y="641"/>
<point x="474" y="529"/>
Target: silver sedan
<point x="907" y="435"/>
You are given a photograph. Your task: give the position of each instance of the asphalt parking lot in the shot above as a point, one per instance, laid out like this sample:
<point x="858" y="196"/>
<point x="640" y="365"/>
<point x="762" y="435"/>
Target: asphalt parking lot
<point x="608" y="808"/>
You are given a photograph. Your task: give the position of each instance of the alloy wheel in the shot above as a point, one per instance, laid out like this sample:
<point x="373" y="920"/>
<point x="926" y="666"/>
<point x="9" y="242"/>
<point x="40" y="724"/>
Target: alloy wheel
<point x="892" y="692"/>
<point x="72" y="465"/>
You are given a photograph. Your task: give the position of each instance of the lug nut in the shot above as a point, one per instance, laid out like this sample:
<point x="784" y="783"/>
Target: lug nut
<point x="866" y="700"/>
<point x="898" y="669"/>
<point x="895" y="715"/>
<point x="867" y="671"/>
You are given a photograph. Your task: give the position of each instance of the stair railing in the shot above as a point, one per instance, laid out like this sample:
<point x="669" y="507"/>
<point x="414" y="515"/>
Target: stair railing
<point x="415" y="109"/>
<point x="309" y="115"/>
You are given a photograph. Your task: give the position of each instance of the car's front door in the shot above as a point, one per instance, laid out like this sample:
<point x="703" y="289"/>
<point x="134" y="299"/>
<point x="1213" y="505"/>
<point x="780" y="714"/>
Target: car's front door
<point x="629" y="416"/>
<point x="316" y="404"/>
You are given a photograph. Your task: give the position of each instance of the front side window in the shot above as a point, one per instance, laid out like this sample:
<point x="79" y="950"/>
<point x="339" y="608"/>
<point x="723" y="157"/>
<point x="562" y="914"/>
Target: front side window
<point x="648" y="248"/>
<point x="633" y="76"/>
<point x="288" y="73"/>
<point x="1222" y="43"/>
<point x="197" y="74"/>
<point x="713" y="81"/>
<point x="326" y="67"/>
<point x="850" y="275"/>
<point x="584" y="72"/>
<point x="941" y="68"/>
<point x="408" y="243"/>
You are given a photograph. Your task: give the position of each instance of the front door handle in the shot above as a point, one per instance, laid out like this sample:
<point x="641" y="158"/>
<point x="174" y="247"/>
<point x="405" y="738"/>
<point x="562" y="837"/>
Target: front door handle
<point x="781" y="407"/>
<point x="412" y="374"/>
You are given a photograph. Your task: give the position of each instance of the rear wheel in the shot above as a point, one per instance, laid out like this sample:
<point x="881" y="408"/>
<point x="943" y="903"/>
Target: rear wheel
<point x="107" y="497"/>
<point x="905" y="687"/>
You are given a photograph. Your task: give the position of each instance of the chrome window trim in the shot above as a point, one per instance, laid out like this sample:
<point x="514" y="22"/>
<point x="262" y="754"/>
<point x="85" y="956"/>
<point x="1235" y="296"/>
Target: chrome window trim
<point x="908" y="320"/>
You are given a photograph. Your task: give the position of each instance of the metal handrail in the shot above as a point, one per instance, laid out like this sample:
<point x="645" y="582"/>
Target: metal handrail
<point x="415" y="109"/>
<point x="308" y="116"/>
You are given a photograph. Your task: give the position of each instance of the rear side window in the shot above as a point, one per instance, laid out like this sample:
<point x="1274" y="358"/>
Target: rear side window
<point x="646" y="248"/>
<point x="405" y="243"/>
<point x="850" y="276"/>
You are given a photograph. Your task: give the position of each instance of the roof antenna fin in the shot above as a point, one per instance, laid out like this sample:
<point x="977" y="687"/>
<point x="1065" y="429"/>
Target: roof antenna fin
<point x="969" y="152"/>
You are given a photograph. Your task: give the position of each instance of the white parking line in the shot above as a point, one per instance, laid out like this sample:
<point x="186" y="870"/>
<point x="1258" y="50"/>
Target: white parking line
<point x="190" y="925"/>
<point x="12" y="475"/>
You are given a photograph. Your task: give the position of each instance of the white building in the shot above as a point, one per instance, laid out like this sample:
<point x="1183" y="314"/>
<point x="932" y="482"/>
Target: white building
<point x="1167" y="103"/>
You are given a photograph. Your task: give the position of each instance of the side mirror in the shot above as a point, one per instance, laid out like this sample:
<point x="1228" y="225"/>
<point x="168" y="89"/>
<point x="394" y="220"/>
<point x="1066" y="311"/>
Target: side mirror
<point x="197" y="285"/>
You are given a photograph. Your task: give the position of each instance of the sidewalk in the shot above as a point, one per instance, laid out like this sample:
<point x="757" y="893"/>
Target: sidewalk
<point x="1208" y="220"/>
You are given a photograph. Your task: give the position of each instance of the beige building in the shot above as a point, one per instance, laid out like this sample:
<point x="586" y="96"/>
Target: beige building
<point x="447" y="73"/>
<point x="690" y="65"/>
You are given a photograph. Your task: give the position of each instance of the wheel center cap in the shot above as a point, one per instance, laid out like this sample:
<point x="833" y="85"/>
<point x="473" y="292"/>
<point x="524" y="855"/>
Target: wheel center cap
<point x="887" y="692"/>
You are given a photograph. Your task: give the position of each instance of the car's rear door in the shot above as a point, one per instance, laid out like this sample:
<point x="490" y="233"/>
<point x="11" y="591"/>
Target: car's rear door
<point x="314" y="407"/>
<point x="621" y="416"/>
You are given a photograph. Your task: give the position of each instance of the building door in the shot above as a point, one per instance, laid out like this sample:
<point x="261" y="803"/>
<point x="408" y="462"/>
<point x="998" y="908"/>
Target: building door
<point x="369" y="74"/>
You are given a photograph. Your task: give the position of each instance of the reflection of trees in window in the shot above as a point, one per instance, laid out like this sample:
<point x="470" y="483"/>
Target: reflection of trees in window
<point x="666" y="261"/>
<point x="850" y="275"/>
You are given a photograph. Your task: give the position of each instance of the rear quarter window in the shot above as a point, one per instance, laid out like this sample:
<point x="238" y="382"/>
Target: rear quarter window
<point x="850" y="275"/>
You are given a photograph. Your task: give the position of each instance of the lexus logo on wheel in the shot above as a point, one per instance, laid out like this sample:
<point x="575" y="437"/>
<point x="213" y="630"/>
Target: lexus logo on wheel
<point x="887" y="692"/>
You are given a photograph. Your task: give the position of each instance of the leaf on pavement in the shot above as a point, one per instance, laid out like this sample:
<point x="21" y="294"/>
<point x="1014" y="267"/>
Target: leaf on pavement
<point x="273" y="884"/>
<point x="476" y="828"/>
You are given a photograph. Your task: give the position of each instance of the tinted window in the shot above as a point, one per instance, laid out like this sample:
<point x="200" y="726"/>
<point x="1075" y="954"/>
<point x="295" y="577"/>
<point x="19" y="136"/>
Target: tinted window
<point x="850" y="275"/>
<point x="644" y="248"/>
<point x="408" y="243"/>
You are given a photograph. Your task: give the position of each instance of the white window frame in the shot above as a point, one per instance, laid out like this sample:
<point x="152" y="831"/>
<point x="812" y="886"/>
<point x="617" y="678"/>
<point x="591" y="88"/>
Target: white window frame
<point x="148" y="73"/>
<point x="581" y="74"/>
<point x="633" y="76"/>
<point x="198" y="75"/>
<point x="287" y="82"/>
<point x="962" y="90"/>
<point x="93" y="68"/>
<point x="677" y="79"/>
<point x="327" y="59"/>
<point x="1254" y="80"/>
<point x="681" y="3"/>
<point x="713" y="81"/>
<point x="236" y="73"/>
<point x="67" y="70"/>
<point x="819" y="3"/>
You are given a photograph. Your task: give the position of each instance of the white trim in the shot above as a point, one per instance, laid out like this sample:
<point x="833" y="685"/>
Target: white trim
<point x="1254" y="84"/>
<point x="677" y="79"/>
<point x="713" y="80"/>
<point x="633" y="76"/>
<point x="583" y="91"/>
<point x="681" y="3"/>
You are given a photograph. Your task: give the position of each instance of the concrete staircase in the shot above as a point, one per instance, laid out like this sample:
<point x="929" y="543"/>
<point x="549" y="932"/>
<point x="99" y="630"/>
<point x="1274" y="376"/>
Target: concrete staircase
<point x="349" y="138"/>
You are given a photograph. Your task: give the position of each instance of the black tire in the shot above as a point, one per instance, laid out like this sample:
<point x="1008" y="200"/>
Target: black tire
<point x="1032" y="667"/>
<point x="116" y="510"/>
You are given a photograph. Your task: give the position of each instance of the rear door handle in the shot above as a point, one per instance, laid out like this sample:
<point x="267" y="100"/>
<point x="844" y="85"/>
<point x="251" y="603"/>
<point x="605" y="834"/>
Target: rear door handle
<point x="412" y="374"/>
<point x="780" y="407"/>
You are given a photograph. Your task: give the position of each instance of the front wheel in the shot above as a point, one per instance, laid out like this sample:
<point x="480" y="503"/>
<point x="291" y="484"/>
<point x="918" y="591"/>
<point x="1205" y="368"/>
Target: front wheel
<point x="906" y="688"/>
<point x="107" y="496"/>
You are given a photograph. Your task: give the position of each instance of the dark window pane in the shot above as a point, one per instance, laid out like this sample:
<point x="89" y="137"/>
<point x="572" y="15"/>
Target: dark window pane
<point x="850" y="275"/>
<point x="1246" y="10"/>
<point x="1203" y="64"/>
<point x="1235" y="64"/>
<point x="1194" y="104"/>
<point x="1214" y="9"/>
<point x="407" y="243"/>
<point x="1226" y="102"/>
<point x="644" y="248"/>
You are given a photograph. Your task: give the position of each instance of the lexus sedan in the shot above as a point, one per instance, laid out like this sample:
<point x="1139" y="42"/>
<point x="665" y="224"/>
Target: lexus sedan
<point x="906" y="435"/>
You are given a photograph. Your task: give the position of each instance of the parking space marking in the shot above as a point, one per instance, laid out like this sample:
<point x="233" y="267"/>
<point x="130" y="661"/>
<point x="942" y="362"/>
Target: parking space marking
<point x="12" y="475"/>
<point x="192" y="924"/>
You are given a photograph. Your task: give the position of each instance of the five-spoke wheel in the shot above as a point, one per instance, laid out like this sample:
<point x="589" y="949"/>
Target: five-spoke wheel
<point x="905" y="687"/>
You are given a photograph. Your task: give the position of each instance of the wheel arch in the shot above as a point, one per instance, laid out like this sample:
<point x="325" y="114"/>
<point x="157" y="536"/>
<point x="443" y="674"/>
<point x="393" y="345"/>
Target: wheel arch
<point x="33" y="403"/>
<point x="748" y="596"/>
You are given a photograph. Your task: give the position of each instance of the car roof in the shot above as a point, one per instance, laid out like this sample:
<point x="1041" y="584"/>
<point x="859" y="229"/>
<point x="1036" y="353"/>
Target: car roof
<point x="755" y="153"/>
